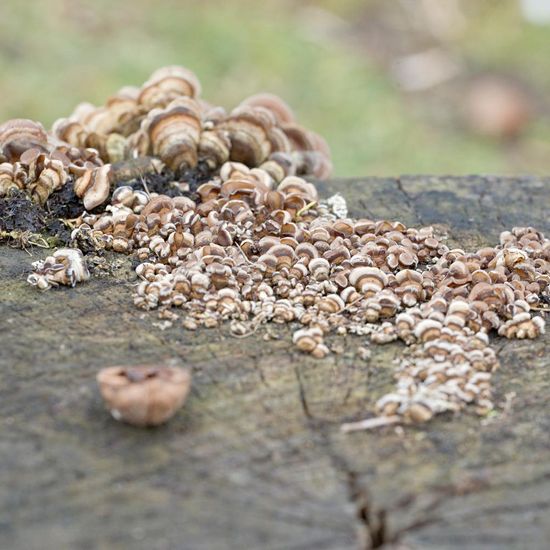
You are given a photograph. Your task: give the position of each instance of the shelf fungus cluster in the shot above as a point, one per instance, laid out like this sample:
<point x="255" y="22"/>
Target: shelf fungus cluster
<point x="165" y="118"/>
<point x="254" y="243"/>
<point x="35" y="161"/>
<point x="253" y="249"/>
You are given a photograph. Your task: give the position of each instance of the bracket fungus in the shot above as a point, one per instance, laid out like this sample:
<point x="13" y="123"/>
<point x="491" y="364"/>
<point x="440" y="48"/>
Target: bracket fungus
<point x="233" y="231"/>
<point x="66" y="266"/>
<point x="94" y="186"/>
<point x="144" y="395"/>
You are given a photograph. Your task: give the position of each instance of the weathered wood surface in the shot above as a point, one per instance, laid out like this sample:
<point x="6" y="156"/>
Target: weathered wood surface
<point x="256" y="458"/>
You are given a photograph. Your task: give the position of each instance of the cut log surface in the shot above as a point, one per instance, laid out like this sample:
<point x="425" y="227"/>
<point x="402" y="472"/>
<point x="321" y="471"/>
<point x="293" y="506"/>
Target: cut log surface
<point x="256" y="458"/>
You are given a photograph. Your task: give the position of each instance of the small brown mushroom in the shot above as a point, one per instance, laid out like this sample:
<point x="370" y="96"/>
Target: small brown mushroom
<point x="173" y="133"/>
<point x="20" y="134"/>
<point x="94" y="186"/>
<point x="273" y="103"/>
<point x="66" y="266"/>
<point x="167" y="84"/>
<point x="249" y="130"/>
<point x="144" y="395"/>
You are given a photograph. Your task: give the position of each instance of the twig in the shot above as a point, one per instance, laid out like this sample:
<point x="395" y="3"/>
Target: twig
<point x="246" y="334"/>
<point x="307" y="207"/>
<point x="348" y="306"/>
<point x="40" y="241"/>
<point x="243" y="253"/>
<point x="144" y="183"/>
<point x="370" y="423"/>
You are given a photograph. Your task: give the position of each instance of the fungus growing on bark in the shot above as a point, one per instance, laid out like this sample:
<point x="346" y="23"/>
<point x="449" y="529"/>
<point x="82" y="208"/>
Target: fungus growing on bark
<point x="144" y="395"/>
<point x="252" y="243"/>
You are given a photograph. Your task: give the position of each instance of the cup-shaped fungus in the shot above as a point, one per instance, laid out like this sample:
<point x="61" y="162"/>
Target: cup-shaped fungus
<point x="144" y="395"/>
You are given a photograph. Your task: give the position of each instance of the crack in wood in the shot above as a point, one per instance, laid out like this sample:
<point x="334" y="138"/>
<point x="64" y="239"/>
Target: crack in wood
<point x="409" y="201"/>
<point x="371" y="523"/>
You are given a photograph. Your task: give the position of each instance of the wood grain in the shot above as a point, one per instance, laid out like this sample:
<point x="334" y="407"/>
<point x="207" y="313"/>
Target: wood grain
<point x="256" y="458"/>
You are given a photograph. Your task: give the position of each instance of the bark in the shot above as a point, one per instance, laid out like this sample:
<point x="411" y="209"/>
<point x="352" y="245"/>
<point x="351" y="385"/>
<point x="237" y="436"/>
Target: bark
<point x="256" y="458"/>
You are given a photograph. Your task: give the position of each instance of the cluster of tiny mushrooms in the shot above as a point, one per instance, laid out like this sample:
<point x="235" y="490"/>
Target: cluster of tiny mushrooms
<point x="253" y="244"/>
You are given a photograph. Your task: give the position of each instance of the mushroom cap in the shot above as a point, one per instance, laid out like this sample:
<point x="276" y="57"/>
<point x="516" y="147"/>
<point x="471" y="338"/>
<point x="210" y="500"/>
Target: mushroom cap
<point x="298" y="186"/>
<point x="19" y="134"/>
<point x="144" y="395"/>
<point x="94" y="186"/>
<point x="248" y="130"/>
<point x="168" y="83"/>
<point x="174" y="132"/>
<point x="77" y="269"/>
<point x="283" y="113"/>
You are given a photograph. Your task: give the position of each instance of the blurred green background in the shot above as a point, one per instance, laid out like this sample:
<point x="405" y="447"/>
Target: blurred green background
<point x="401" y="86"/>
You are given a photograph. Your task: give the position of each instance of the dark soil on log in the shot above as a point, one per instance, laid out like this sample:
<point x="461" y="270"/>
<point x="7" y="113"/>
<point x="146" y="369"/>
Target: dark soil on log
<point x="19" y="215"/>
<point x="172" y="184"/>
<point x="64" y="203"/>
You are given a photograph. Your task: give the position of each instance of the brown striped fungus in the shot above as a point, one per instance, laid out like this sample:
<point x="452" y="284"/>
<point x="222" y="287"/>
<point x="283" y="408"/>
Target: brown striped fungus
<point x="252" y="243"/>
<point x="144" y="395"/>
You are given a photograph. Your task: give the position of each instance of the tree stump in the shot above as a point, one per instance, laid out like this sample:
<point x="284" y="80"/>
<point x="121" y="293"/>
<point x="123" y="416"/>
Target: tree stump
<point x="256" y="458"/>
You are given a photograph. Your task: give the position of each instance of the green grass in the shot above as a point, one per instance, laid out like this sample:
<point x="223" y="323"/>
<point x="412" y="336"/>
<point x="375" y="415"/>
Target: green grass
<point x="56" y="53"/>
